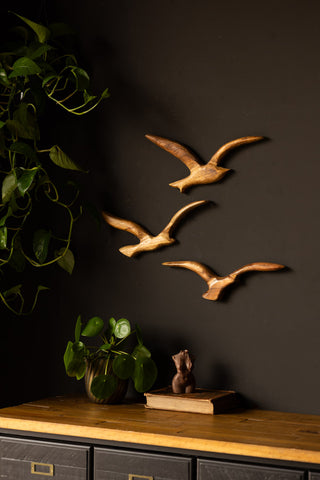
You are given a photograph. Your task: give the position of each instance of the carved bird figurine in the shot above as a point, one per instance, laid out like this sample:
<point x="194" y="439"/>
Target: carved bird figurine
<point x="147" y="241"/>
<point x="217" y="284"/>
<point x="199" y="174"/>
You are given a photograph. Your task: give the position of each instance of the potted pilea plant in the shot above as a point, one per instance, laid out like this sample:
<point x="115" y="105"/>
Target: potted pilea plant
<point x="35" y="68"/>
<point x="106" y="368"/>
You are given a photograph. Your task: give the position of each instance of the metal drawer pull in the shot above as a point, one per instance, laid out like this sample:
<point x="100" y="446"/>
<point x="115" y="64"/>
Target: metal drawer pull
<point x="133" y="477"/>
<point x="34" y="465"/>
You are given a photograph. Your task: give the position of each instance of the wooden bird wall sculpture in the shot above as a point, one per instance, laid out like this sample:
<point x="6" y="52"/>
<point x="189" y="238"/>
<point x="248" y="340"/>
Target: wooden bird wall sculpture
<point x="199" y="174"/>
<point x="147" y="241"/>
<point x="217" y="284"/>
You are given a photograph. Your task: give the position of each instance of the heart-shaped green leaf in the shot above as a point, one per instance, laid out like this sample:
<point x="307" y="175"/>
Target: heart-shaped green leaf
<point x="13" y="291"/>
<point x="82" y="78"/>
<point x="123" y="366"/>
<point x="66" y="261"/>
<point x="93" y="327"/>
<point x="17" y="259"/>
<point x="41" y="239"/>
<point x="39" y="51"/>
<point x="24" y="149"/>
<point x="25" y="180"/>
<point x="3" y="237"/>
<point x="42" y="32"/>
<point x="8" y="187"/>
<point x="103" y="386"/>
<point x="145" y="374"/>
<point x="122" y="328"/>
<point x="24" y="123"/>
<point x="23" y="67"/>
<point x="3" y="78"/>
<point x="62" y="160"/>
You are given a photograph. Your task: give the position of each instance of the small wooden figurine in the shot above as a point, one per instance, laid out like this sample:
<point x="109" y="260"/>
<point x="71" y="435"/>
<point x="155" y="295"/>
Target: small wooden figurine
<point x="183" y="381"/>
<point x="147" y="241"/>
<point x="217" y="284"/>
<point x="199" y="174"/>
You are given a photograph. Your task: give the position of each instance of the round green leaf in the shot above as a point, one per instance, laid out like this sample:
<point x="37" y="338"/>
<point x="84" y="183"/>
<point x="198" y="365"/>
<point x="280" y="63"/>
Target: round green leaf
<point x="79" y="347"/>
<point x="103" y="386"/>
<point x="123" y="366"/>
<point x="141" y="351"/>
<point x="112" y="325"/>
<point x="122" y="328"/>
<point x="145" y="374"/>
<point x="74" y="362"/>
<point x="93" y="327"/>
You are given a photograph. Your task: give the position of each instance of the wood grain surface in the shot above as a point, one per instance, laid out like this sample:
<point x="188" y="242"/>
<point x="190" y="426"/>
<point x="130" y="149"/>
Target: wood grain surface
<point x="256" y="433"/>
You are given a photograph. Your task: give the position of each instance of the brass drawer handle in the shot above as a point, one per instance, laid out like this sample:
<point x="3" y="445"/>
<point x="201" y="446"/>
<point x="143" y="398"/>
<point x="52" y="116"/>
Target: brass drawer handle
<point x="133" y="477"/>
<point x="34" y="465"/>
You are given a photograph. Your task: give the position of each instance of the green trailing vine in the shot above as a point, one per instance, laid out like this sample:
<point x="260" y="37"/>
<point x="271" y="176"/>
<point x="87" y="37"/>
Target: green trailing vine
<point x="35" y="69"/>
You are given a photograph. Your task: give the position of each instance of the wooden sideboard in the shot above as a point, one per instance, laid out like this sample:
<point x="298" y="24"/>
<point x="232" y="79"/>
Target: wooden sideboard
<point x="71" y="438"/>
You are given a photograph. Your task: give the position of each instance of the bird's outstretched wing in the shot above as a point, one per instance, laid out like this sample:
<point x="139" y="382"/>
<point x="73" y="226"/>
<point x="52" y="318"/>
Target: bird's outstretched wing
<point x="203" y="271"/>
<point x="257" y="266"/>
<point x="179" y="151"/>
<point x="215" y="160"/>
<point x="127" y="225"/>
<point x="181" y="213"/>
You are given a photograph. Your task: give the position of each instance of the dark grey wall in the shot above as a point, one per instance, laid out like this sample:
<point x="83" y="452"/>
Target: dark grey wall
<point x="202" y="73"/>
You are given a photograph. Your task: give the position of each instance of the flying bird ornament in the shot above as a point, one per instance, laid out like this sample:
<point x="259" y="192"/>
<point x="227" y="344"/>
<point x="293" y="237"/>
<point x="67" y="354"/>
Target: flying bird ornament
<point x="217" y="284"/>
<point x="199" y="174"/>
<point x="147" y="241"/>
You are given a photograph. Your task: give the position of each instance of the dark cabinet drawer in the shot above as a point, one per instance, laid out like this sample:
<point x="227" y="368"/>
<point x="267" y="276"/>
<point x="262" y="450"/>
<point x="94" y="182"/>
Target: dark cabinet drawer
<point x="212" y="470"/>
<point x="36" y="460"/>
<point x="314" y="476"/>
<point x="126" y="465"/>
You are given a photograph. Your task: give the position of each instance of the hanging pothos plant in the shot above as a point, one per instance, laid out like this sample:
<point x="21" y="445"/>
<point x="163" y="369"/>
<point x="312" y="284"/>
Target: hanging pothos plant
<point x="35" y="69"/>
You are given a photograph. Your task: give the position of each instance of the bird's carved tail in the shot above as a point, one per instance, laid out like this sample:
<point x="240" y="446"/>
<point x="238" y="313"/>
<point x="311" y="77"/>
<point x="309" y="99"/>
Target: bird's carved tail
<point x="130" y="250"/>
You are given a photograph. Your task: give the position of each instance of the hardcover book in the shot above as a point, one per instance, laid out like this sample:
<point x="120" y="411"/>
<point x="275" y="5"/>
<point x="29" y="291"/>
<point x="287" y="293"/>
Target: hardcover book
<point x="201" y="401"/>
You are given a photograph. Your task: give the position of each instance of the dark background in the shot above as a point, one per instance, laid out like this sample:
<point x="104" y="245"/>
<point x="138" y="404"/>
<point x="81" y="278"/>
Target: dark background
<point x="202" y="73"/>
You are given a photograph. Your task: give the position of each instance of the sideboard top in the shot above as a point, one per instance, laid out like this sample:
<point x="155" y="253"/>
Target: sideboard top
<point x="256" y="433"/>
